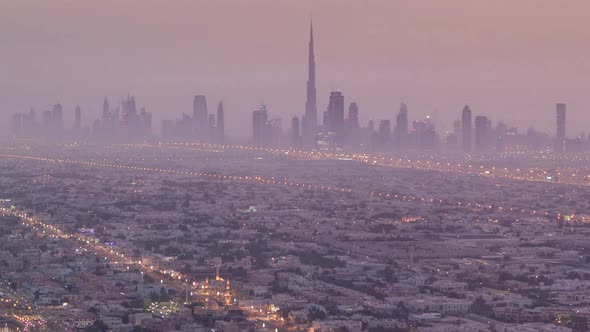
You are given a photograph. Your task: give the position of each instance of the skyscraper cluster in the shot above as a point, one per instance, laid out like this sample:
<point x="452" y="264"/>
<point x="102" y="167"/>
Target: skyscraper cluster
<point x="338" y="128"/>
<point x="49" y="126"/>
<point x="481" y="137"/>
<point x="401" y="136"/>
<point x="123" y="123"/>
<point x="266" y="131"/>
<point x="470" y="134"/>
<point x="335" y="129"/>
<point x="201" y="126"/>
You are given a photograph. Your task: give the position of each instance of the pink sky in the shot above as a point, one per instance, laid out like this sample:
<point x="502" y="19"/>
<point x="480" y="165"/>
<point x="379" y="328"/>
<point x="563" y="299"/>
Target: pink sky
<point x="511" y="60"/>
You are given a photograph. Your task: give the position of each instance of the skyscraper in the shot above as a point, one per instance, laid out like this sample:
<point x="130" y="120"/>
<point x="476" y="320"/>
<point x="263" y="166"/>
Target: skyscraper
<point x="145" y="122"/>
<point x="483" y="132"/>
<point x="454" y="136"/>
<point x="46" y="121"/>
<point x="334" y="116"/>
<point x="25" y="124"/>
<point x="311" y="113"/>
<point x="401" y="126"/>
<point x="560" y="112"/>
<point x="17" y="124"/>
<point x="200" y="116"/>
<point x="58" y="116"/>
<point x="274" y="131"/>
<point x="384" y="132"/>
<point x="211" y="127"/>
<point x="260" y="127"/>
<point x="168" y="130"/>
<point x="130" y="118"/>
<point x="353" y="115"/>
<point x="295" y="136"/>
<point x="466" y="129"/>
<point x="56" y="124"/>
<point x="77" y="118"/>
<point x="105" y="108"/>
<point x="560" y="130"/>
<point x="424" y="134"/>
<point x="220" y="124"/>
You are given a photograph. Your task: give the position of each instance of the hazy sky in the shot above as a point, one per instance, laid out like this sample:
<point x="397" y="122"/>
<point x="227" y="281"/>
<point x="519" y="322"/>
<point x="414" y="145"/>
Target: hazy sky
<point x="509" y="59"/>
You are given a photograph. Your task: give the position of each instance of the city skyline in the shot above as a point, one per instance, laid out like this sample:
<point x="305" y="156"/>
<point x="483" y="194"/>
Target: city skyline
<point x="335" y="130"/>
<point x="290" y="166"/>
<point x="365" y="79"/>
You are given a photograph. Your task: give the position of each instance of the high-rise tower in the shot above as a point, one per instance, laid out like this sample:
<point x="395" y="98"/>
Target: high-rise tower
<point x="483" y="131"/>
<point x="295" y="137"/>
<point x="334" y="115"/>
<point x="401" y="126"/>
<point x="311" y="111"/>
<point x="260" y="127"/>
<point x="77" y="118"/>
<point x="200" y="116"/>
<point x="466" y="128"/>
<point x="220" y="124"/>
<point x="353" y="115"/>
<point x="560" y="130"/>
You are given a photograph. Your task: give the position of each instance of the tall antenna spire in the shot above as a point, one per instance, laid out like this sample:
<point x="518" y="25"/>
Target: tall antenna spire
<point x="311" y="32"/>
<point x="310" y="119"/>
<point x="311" y="51"/>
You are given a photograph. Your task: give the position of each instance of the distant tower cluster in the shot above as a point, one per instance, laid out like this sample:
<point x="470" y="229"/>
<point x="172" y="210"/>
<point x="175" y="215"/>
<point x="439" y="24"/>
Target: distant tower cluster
<point x="201" y="126"/>
<point x="124" y="123"/>
<point x="50" y="126"/>
<point x="337" y="130"/>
